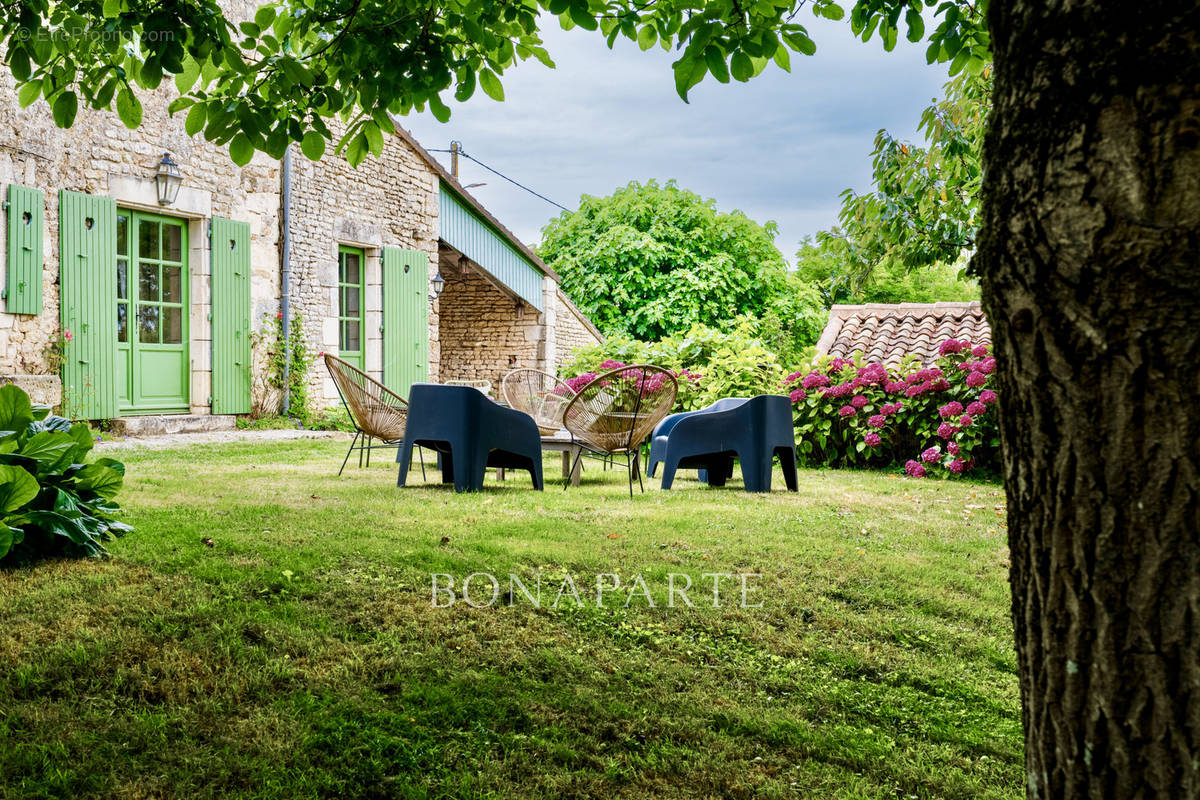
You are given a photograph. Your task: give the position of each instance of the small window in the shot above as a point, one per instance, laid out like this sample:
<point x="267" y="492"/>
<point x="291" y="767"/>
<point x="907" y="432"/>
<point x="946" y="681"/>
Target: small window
<point x="351" y="290"/>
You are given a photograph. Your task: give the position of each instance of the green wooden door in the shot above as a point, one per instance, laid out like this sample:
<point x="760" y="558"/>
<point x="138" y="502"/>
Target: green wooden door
<point x="88" y="294"/>
<point x="230" y="316"/>
<point x="23" y="294"/>
<point x="405" y="318"/>
<point x="152" y="313"/>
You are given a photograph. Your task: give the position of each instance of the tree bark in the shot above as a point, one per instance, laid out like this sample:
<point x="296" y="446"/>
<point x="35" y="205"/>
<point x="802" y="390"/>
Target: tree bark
<point x="1089" y="257"/>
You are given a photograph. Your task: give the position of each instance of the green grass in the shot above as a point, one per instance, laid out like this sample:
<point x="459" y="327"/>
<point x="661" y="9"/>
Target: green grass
<point x="299" y="655"/>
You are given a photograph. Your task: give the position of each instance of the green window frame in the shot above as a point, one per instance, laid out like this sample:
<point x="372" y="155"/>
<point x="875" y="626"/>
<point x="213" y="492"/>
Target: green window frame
<point x="352" y="290"/>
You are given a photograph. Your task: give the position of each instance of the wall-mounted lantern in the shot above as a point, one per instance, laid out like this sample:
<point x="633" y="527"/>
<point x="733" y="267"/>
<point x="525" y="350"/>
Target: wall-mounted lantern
<point x="167" y="180"/>
<point x="438" y="284"/>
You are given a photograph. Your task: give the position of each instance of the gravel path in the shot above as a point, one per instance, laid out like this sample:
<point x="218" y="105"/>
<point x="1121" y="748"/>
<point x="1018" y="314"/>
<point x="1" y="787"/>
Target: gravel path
<point x="211" y="437"/>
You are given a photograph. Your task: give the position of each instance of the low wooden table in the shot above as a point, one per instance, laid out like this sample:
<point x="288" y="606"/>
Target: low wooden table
<point x="561" y="442"/>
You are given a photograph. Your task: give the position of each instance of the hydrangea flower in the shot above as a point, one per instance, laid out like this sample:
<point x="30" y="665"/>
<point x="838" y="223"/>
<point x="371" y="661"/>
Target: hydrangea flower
<point x="895" y="387"/>
<point x="815" y="380"/>
<point x="976" y="379"/>
<point x="873" y="373"/>
<point x="987" y="366"/>
<point x="838" y="364"/>
<point x="957" y="466"/>
<point x="886" y="409"/>
<point x="950" y="346"/>
<point x="966" y="420"/>
<point x="951" y="409"/>
<point x="952" y="448"/>
<point x="980" y="351"/>
<point x="976" y="409"/>
<point x="859" y="401"/>
<point x="940" y="385"/>
<point x="797" y="395"/>
<point x="840" y="390"/>
<point x="946" y="430"/>
<point x="931" y="455"/>
<point x="872" y="439"/>
<point x="988" y="396"/>
<point x="915" y="468"/>
<point x="611" y="364"/>
<point x="877" y="421"/>
<point x="846" y="411"/>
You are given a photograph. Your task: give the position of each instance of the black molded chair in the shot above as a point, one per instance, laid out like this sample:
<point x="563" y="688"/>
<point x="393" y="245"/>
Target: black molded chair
<point x="470" y="433"/>
<point x="658" y="439"/>
<point x="755" y="431"/>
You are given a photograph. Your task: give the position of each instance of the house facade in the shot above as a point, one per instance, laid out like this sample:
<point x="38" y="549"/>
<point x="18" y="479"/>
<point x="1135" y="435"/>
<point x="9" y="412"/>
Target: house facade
<point x="150" y="308"/>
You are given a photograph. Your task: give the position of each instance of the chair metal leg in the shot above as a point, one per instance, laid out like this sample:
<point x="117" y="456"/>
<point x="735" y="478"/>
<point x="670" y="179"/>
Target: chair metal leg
<point x="574" y="466"/>
<point x="421" y="456"/>
<point x="368" y="451"/>
<point x="348" y="452"/>
<point x="637" y="468"/>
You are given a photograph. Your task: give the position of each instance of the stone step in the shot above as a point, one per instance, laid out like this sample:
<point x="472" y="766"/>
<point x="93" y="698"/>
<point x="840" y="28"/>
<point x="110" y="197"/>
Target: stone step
<point x="166" y="424"/>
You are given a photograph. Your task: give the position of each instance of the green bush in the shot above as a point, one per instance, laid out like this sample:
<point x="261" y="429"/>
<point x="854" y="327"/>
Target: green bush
<point x="732" y="363"/>
<point x="52" y="502"/>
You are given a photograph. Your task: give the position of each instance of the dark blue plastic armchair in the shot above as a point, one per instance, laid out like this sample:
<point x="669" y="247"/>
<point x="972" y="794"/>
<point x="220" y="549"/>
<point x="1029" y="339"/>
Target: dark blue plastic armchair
<point x="754" y="431"/>
<point x="470" y="434"/>
<point x="658" y="439"/>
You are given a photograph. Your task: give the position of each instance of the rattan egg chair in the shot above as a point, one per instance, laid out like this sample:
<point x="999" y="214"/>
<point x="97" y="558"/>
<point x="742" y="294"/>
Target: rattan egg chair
<point x="540" y="395"/>
<point x="375" y="410"/>
<point x="614" y="414"/>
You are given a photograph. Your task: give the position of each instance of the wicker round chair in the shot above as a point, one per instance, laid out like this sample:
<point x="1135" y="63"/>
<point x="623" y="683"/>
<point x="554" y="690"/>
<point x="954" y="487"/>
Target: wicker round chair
<point x="540" y="395"/>
<point x="376" y="411"/>
<point x="615" y="413"/>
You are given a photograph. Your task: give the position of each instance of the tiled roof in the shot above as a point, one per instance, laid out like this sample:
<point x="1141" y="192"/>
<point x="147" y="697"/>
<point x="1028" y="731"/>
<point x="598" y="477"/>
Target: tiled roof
<point x="886" y="333"/>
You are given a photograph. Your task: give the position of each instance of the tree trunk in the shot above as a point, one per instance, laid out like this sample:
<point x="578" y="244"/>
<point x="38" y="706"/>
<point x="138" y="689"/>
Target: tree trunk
<point x="1090" y="262"/>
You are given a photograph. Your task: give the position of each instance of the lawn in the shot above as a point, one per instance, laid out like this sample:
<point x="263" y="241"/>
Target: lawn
<point x="268" y="632"/>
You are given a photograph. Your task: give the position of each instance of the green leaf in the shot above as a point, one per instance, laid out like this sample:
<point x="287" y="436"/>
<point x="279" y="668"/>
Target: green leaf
<point x="832" y="11"/>
<point x="18" y="63"/>
<point x="17" y="487"/>
<point x="65" y="107"/>
<point x="102" y="480"/>
<point x="582" y="17"/>
<point x="241" y="149"/>
<point x="647" y="37"/>
<point x="441" y="112"/>
<point x="714" y="59"/>
<point x="185" y="80"/>
<point x="194" y="122"/>
<point x="129" y="108"/>
<point x="46" y="447"/>
<point x="264" y="17"/>
<point x="374" y="138"/>
<point x="782" y="59"/>
<point x="356" y="150"/>
<point x="916" y="25"/>
<point x="741" y="68"/>
<point x="16" y="412"/>
<point x="28" y="93"/>
<point x="113" y="8"/>
<point x="491" y="85"/>
<point x="313" y="145"/>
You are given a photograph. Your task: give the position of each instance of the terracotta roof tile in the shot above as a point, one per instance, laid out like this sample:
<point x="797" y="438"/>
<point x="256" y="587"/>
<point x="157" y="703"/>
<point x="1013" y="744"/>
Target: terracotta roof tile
<point x="887" y="333"/>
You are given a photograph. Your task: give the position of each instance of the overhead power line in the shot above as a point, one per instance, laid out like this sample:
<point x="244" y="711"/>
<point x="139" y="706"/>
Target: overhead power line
<point x="502" y="175"/>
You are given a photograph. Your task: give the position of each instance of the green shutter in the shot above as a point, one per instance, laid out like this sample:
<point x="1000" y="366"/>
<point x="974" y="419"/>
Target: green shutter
<point x="25" y="215"/>
<point x="405" y="318"/>
<point x="88" y="283"/>
<point x="230" y="244"/>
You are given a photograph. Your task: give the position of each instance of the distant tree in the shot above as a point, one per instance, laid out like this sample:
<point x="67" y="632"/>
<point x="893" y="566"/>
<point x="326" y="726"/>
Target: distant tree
<point x="826" y="266"/>
<point x="651" y="260"/>
<point x="922" y="210"/>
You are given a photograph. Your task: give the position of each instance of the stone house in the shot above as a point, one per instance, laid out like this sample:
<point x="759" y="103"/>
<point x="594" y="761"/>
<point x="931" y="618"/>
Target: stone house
<point x="148" y="308"/>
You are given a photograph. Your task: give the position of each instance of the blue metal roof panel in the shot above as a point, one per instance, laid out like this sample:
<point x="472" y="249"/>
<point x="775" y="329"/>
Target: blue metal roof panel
<point x="467" y="232"/>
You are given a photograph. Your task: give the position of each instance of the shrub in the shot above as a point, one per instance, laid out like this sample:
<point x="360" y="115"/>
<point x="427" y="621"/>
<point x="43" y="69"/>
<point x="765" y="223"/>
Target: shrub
<point x="709" y="363"/>
<point x="52" y="502"/>
<point x="935" y="420"/>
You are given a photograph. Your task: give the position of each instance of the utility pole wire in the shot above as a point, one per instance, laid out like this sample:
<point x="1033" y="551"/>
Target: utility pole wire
<point x="459" y="151"/>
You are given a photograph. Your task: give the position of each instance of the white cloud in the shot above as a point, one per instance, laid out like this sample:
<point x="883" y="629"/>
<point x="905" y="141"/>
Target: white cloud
<point x="781" y="147"/>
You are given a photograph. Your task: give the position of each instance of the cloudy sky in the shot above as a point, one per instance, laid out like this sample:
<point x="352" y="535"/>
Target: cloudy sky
<point x="781" y="147"/>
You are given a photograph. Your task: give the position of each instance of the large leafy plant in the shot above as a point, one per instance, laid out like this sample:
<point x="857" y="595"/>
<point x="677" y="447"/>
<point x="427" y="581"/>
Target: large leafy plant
<point x="52" y="501"/>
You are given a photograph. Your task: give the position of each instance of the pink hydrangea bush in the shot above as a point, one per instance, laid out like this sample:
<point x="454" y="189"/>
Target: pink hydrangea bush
<point x="936" y="420"/>
<point x="686" y="381"/>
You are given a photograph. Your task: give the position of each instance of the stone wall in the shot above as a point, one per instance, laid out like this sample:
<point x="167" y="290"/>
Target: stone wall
<point x="482" y="334"/>
<point x="572" y="329"/>
<point x="388" y="201"/>
<point x="100" y="156"/>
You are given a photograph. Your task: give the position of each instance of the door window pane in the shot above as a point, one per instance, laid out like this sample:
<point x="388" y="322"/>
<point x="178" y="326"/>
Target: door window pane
<point x="148" y="324"/>
<point x="122" y="235"/>
<point x="350" y="336"/>
<point x="148" y="283"/>
<point x="172" y="285"/>
<point x="122" y="322"/>
<point x="122" y="278"/>
<point x="172" y="325"/>
<point x="148" y="240"/>
<point x="351" y="268"/>
<point x="350" y="301"/>
<point x="172" y="243"/>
